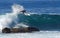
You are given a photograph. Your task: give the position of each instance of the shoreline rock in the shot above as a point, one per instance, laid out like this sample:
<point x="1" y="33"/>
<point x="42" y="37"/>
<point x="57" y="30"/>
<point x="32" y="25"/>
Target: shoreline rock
<point x="20" y="30"/>
<point x="6" y="30"/>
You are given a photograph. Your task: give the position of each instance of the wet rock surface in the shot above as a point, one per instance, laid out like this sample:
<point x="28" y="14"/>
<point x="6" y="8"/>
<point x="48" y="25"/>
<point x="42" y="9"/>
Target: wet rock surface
<point x="20" y="30"/>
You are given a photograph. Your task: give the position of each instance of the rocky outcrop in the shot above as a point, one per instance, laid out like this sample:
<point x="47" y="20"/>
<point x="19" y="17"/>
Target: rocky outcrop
<point x="6" y="30"/>
<point x="19" y="30"/>
<point x="31" y="29"/>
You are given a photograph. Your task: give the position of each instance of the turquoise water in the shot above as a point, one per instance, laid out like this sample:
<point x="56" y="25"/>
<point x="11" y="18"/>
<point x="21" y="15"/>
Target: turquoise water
<point x="43" y="21"/>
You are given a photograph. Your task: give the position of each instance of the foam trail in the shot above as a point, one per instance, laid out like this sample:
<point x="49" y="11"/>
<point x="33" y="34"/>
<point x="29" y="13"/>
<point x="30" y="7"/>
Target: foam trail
<point x="20" y="25"/>
<point x="7" y="19"/>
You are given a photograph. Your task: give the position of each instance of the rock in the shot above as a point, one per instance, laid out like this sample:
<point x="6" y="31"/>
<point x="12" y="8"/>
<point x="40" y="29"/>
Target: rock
<point x="15" y="30"/>
<point x="32" y="29"/>
<point x="6" y="30"/>
<point x="19" y="30"/>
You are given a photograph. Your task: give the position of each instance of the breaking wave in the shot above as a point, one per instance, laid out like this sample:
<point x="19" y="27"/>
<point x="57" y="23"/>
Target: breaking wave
<point x="11" y="19"/>
<point x="16" y="18"/>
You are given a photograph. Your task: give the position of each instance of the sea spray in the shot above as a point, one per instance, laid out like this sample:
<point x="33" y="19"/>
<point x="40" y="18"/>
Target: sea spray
<point x="43" y="21"/>
<point x="7" y="19"/>
<point x="17" y="8"/>
<point x="20" y="25"/>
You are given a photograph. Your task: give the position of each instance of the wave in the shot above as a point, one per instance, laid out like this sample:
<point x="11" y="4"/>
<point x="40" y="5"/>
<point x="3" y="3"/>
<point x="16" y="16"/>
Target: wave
<point x="10" y="19"/>
<point x="16" y="18"/>
<point x="43" y="22"/>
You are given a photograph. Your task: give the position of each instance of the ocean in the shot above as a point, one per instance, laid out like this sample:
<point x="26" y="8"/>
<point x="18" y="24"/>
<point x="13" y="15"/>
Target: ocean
<point x="44" y="15"/>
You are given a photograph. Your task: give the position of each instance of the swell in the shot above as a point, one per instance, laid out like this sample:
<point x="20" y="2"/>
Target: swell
<point x="43" y="22"/>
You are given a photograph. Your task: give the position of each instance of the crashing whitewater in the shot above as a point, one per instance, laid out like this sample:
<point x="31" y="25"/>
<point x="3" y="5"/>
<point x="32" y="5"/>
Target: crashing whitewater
<point x="8" y="18"/>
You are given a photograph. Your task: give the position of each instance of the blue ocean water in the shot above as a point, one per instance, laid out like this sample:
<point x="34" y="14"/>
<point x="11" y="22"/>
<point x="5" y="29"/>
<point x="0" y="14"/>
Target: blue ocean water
<point x="35" y="6"/>
<point x="47" y="15"/>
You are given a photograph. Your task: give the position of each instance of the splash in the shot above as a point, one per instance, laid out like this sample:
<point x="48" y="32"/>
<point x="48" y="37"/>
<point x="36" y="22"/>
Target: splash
<point x="17" y="8"/>
<point x="20" y="25"/>
<point x="8" y="18"/>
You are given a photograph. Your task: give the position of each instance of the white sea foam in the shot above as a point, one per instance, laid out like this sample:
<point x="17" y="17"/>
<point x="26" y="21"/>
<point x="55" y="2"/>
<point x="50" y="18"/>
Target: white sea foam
<point x="17" y="8"/>
<point x="8" y="18"/>
<point x="20" y="25"/>
<point x="42" y="34"/>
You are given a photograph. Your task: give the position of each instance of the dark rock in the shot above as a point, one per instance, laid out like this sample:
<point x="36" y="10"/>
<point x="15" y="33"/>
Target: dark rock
<point x="31" y="29"/>
<point x="24" y="30"/>
<point x="19" y="30"/>
<point x="6" y="30"/>
<point x="15" y="30"/>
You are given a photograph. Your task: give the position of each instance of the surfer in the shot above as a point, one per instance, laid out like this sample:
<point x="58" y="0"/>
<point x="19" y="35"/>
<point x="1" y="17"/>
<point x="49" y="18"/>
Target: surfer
<point x="23" y="11"/>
